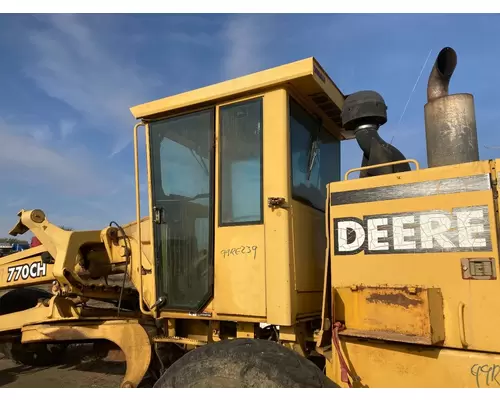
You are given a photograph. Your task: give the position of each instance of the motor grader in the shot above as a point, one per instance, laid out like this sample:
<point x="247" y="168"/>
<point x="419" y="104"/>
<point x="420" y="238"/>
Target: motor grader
<point x="259" y="265"/>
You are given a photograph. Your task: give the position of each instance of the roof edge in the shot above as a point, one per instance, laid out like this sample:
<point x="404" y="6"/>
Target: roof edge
<point x="246" y="83"/>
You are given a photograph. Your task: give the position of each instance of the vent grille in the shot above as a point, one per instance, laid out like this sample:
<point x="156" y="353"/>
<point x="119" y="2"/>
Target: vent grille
<point x="328" y="107"/>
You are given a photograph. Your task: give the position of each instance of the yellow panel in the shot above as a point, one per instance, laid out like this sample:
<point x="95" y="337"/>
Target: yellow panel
<point x="279" y="273"/>
<point x="407" y="366"/>
<point x="399" y="314"/>
<point x="240" y="280"/>
<point x="309" y="244"/>
<point x="469" y="320"/>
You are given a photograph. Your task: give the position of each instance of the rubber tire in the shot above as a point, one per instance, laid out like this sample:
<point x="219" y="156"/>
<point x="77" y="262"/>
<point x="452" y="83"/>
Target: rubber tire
<point x="31" y="354"/>
<point x="243" y="363"/>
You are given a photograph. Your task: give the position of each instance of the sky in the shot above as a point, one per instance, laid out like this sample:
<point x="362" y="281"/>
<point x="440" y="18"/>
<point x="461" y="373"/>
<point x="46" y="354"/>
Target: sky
<point x="68" y="81"/>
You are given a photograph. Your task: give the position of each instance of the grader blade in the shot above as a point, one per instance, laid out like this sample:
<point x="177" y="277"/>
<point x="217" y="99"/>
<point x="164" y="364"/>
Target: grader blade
<point x="132" y="338"/>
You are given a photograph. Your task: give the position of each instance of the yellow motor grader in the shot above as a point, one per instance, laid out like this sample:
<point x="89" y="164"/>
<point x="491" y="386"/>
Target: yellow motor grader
<point x="259" y="265"/>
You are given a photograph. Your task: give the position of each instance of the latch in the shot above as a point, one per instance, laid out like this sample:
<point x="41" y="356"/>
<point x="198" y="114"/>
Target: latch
<point x="157" y="215"/>
<point x="277" y="202"/>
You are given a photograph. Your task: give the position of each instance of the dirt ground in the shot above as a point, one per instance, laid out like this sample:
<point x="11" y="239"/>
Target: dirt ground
<point x="76" y="371"/>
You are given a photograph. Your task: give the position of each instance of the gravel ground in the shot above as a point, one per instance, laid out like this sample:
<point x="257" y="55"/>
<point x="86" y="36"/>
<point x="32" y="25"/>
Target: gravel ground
<point x="75" y="371"/>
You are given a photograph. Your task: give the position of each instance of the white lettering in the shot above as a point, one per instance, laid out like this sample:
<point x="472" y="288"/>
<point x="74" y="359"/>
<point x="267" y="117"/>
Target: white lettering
<point x="433" y="228"/>
<point x="18" y="272"/>
<point x="42" y="269"/>
<point x="10" y="270"/>
<point x="463" y="229"/>
<point x="467" y="228"/>
<point x="33" y="270"/>
<point x="374" y="234"/>
<point x="400" y="233"/>
<point x="346" y="245"/>
<point x="25" y="272"/>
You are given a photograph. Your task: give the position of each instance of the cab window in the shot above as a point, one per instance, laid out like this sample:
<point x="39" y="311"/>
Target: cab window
<point x="315" y="157"/>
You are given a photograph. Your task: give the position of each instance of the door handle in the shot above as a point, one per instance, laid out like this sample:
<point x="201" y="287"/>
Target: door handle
<point x="461" y="324"/>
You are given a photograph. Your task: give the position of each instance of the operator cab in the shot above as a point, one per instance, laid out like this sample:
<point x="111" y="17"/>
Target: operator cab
<point x="237" y="169"/>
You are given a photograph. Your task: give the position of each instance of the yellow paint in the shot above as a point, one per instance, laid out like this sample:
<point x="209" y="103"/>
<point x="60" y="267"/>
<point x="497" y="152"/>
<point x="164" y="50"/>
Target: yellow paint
<point x="240" y="274"/>
<point x="277" y="221"/>
<point x="384" y="365"/>
<point x="309" y="248"/>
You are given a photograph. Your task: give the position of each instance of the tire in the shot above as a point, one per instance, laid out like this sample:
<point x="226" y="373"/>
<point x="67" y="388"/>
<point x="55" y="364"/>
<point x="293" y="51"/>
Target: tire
<point x="243" y="363"/>
<point x="31" y="354"/>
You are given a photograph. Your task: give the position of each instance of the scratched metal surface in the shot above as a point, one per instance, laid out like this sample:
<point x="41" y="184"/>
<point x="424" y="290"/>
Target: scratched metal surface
<point x="462" y="184"/>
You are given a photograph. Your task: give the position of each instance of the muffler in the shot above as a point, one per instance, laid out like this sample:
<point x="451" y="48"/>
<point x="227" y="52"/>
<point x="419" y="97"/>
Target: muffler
<point x="450" y="120"/>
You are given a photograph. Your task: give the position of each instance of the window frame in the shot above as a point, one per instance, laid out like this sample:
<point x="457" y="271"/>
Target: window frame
<point x="221" y="223"/>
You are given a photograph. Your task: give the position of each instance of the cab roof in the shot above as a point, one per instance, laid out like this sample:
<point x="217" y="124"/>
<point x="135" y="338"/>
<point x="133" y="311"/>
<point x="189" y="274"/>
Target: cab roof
<point x="306" y="77"/>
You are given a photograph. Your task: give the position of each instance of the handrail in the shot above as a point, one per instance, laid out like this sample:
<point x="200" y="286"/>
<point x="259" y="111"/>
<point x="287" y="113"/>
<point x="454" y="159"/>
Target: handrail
<point x="417" y="166"/>
<point x="138" y="211"/>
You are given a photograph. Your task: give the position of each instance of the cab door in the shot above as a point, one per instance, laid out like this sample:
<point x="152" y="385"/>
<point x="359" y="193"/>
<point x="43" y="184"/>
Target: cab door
<point x="240" y="275"/>
<point x="182" y="170"/>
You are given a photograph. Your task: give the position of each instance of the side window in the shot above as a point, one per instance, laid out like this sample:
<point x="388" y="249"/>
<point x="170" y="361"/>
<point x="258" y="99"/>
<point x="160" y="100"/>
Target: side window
<point x="241" y="163"/>
<point x="315" y="157"/>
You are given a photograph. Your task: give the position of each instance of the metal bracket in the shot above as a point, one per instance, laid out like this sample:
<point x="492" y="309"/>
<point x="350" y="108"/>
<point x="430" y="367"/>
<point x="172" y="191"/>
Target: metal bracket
<point x="478" y="268"/>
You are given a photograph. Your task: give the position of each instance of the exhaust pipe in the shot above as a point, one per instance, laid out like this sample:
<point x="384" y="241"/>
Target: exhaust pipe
<point x="450" y="120"/>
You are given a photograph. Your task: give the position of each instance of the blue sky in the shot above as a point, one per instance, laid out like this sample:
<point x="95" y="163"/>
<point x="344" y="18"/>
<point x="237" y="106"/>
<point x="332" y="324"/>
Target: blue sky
<point x="67" y="82"/>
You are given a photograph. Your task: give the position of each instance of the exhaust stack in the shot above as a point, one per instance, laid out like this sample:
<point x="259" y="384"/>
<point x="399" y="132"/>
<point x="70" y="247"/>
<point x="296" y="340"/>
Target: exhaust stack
<point x="450" y="121"/>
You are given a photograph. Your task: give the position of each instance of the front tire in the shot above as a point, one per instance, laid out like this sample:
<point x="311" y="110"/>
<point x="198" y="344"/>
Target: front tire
<point x="243" y="363"/>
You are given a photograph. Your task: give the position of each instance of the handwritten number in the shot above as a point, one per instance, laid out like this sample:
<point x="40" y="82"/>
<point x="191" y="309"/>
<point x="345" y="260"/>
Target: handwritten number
<point x="486" y="373"/>
<point x="240" y="251"/>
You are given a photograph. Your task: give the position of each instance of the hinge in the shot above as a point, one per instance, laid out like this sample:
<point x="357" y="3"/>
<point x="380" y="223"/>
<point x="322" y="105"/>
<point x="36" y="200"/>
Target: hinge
<point x="493" y="177"/>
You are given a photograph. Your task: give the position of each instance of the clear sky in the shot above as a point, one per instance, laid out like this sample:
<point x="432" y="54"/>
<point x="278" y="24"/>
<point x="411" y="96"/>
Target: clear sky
<point x="67" y="82"/>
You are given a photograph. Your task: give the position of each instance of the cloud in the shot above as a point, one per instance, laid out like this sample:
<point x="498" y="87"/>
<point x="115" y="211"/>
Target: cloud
<point x="73" y="64"/>
<point x="246" y="37"/>
<point x="30" y="159"/>
<point x="202" y="39"/>
<point x="39" y="172"/>
<point x="66" y="128"/>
